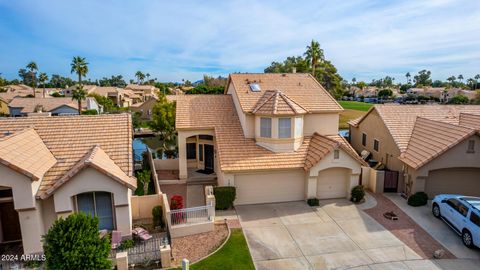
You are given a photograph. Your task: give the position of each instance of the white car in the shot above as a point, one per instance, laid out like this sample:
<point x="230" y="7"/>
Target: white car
<point x="462" y="213"/>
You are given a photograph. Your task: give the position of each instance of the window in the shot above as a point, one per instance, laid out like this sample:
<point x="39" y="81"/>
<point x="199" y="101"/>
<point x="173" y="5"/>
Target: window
<point x="200" y="152"/>
<point x="475" y="219"/>
<point x="266" y="127"/>
<point x="471" y="146"/>
<point x="191" y="150"/>
<point x="336" y="154"/>
<point x="284" y="127"/>
<point x="462" y="209"/>
<point x="364" y="139"/>
<point x="254" y="87"/>
<point x="206" y="137"/>
<point x="376" y="145"/>
<point x="97" y="204"/>
<point x="298" y="126"/>
<point x="453" y="203"/>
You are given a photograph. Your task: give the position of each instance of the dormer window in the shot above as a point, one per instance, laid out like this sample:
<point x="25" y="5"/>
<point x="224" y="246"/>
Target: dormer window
<point x="284" y="128"/>
<point x="265" y="127"/>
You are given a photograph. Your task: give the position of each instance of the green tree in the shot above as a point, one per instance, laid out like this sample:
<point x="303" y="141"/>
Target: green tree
<point x="460" y="78"/>
<point x="106" y="102"/>
<point x="33" y="68"/>
<point x="79" y="66"/>
<point x="361" y="84"/>
<point x="144" y="178"/>
<point x="43" y="78"/>
<point x="423" y="78"/>
<point x="140" y="77"/>
<point x="477" y="77"/>
<point x="79" y="95"/>
<point x="74" y="243"/>
<point x="451" y="79"/>
<point x="385" y="93"/>
<point x="204" y="89"/>
<point x="408" y="77"/>
<point x="314" y="55"/>
<point x="301" y="65"/>
<point x="328" y="76"/>
<point x="163" y="117"/>
<point x="459" y="99"/>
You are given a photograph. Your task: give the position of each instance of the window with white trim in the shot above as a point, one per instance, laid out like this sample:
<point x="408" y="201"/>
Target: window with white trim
<point x="265" y="127"/>
<point x="284" y="128"/>
<point x="98" y="204"/>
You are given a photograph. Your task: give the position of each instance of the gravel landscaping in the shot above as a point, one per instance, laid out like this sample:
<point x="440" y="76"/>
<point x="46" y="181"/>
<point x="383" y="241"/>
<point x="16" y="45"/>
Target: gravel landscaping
<point x="195" y="247"/>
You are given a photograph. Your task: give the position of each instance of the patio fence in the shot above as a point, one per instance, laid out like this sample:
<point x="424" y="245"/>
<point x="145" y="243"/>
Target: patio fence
<point x="191" y="215"/>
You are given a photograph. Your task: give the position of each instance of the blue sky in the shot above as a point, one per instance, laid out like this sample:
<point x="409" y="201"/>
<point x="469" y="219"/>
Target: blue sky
<point x="172" y="40"/>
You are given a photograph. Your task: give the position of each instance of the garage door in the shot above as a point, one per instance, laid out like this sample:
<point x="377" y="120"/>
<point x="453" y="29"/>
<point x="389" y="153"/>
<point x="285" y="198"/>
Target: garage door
<point x="271" y="187"/>
<point x="332" y="183"/>
<point x="463" y="181"/>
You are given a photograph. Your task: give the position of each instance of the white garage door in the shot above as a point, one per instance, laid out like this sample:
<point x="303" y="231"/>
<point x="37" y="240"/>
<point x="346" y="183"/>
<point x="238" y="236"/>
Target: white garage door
<point x="332" y="183"/>
<point x="463" y="181"/>
<point x="271" y="187"/>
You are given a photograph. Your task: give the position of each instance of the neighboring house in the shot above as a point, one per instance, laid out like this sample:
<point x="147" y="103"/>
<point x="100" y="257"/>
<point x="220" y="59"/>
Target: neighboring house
<point x="69" y="90"/>
<point x="144" y="91"/>
<point x="145" y="108"/>
<point x="55" y="106"/>
<point x="272" y="136"/>
<point x="3" y="106"/>
<point x="51" y="167"/>
<point x="387" y="132"/>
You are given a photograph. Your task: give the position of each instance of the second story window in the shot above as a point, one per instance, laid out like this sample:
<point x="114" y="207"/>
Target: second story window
<point x="265" y="127"/>
<point x="364" y="139"/>
<point x="336" y="154"/>
<point x="471" y="146"/>
<point x="284" y="128"/>
<point x="376" y="145"/>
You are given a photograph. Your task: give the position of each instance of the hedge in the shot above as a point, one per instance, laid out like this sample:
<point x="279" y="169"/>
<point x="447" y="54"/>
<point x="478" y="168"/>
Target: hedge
<point x="224" y="197"/>
<point x="358" y="193"/>
<point x="418" y="199"/>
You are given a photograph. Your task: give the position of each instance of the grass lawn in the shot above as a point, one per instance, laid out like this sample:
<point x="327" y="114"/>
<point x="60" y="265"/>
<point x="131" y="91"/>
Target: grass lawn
<point x="233" y="255"/>
<point x="355" y="105"/>
<point x="348" y="115"/>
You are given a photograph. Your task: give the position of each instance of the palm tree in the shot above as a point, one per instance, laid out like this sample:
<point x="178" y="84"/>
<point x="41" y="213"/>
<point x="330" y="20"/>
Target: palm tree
<point x="148" y="77"/>
<point x="460" y="77"/>
<point x="79" y="94"/>
<point x="476" y="80"/>
<point x="43" y="78"/>
<point x="314" y="54"/>
<point x="79" y="66"/>
<point x="408" y="77"/>
<point x="471" y="83"/>
<point x="451" y="79"/>
<point x="33" y="68"/>
<point x="140" y="76"/>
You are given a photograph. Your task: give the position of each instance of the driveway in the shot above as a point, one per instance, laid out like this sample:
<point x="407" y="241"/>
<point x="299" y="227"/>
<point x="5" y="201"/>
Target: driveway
<point x="436" y="228"/>
<point x="336" y="235"/>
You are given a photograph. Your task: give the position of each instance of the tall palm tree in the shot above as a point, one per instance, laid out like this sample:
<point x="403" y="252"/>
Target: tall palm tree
<point x="43" y="78"/>
<point x="33" y="68"/>
<point x="314" y="54"/>
<point x="460" y="78"/>
<point x="451" y="79"/>
<point x="408" y="77"/>
<point x="476" y="80"/>
<point x="80" y="67"/>
<point x="140" y="76"/>
<point x="148" y="77"/>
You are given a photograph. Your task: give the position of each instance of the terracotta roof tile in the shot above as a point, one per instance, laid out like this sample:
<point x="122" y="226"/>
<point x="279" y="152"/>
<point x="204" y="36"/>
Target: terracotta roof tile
<point x="28" y="104"/>
<point x="69" y="138"/>
<point x="299" y="87"/>
<point x="430" y="139"/>
<point x="274" y="102"/>
<point x="470" y="120"/>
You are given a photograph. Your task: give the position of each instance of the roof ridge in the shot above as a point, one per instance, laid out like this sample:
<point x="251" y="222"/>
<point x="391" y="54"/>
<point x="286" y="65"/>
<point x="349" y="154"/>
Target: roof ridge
<point x="289" y="102"/>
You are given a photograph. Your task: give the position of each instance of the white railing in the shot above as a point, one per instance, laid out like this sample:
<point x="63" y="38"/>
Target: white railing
<point x="191" y="215"/>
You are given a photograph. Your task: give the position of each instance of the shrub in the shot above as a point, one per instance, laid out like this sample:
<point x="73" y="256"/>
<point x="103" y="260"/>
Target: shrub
<point x="358" y="192"/>
<point x="126" y="244"/>
<point x="418" y="199"/>
<point x="33" y="264"/>
<point x="90" y="112"/>
<point x="157" y="214"/>
<point x="313" y="202"/>
<point x="224" y="197"/>
<point x="74" y="243"/>
<point x="176" y="202"/>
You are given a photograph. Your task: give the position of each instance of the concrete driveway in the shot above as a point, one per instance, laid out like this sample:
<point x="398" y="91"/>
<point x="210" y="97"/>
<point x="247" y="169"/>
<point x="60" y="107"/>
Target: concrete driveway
<point x="438" y="229"/>
<point x="336" y="235"/>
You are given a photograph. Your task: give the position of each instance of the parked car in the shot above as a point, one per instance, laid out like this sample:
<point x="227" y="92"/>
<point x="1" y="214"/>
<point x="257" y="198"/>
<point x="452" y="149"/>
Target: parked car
<point x="462" y="214"/>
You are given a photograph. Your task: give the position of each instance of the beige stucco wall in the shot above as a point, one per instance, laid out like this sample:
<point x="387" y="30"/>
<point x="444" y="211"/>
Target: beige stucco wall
<point x="322" y="123"/>
<point x="23" y="188"/>
<point x="246" y="120"/>
<point x="456" y="157"/>
<point x="145" y="108"/>
<point x="32" y="227"/>
<point x="90" y="180"/>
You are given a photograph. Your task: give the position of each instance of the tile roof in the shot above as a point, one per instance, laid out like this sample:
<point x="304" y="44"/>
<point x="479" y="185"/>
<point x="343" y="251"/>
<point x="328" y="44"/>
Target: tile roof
<point x="320" y="146"/>
<point x="274" y="102"/>
<point x="235" y="152"/>
<point x="48" y="104"/>
<point x="430" y="139"/>
<point x="25" y="152"/>
<point x="140" y="87"/>
<point x="400" y="119"/>
<point x="470" y="120"/>
<point x="299" y="87"/>
<point x="70" y="138"/>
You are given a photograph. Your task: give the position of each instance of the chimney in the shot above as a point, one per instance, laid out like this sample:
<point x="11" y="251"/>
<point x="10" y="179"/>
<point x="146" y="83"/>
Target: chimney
<point x="294" y="70"/>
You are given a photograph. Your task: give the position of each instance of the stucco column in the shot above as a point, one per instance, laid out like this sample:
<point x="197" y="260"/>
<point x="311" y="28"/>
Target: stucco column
<point x="311" y="187"/>
<point x="182" y="156"/>
<point x="31" y="226"/>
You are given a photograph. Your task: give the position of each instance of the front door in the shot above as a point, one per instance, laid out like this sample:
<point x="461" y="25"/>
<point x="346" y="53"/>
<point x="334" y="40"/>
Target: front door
<point x="10" y="224"/>
<point x="209" y="159"/>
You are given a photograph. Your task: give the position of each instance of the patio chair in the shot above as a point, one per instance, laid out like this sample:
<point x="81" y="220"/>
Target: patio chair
<point x="141" y="234"/>
<point x="116" y="239"/>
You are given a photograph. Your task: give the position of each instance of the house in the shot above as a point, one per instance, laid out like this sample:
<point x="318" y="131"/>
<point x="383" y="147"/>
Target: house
<point x="145" y="108"/>
<point x="51" y="167"/>
<point x="69" y="90"/>
<point x="3" y="106"/>
<point x="410" y="139"/>
<point x="55" y="106"/>
<point x="144" y="91"/>
<point x="272" y="136"/>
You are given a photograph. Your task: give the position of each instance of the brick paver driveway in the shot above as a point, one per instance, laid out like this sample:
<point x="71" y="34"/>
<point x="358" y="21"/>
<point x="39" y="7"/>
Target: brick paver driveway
<point x="336" y="235"/>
